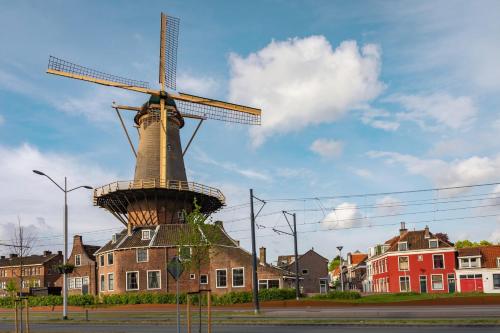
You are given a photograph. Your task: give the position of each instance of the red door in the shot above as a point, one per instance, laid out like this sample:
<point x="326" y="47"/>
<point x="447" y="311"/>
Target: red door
<point x="471" y="283"/>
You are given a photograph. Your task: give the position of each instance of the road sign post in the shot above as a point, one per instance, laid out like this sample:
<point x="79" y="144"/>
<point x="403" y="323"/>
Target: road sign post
<point x="175" y="268"/>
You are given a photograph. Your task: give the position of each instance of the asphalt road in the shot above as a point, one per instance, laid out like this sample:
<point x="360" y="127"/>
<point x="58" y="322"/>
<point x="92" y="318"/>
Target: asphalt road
<point x="77" y="328"/>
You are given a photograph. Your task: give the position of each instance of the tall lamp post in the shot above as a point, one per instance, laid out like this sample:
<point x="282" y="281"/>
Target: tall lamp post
<point x="65" y="258"/>
<point x="341" y="273"/>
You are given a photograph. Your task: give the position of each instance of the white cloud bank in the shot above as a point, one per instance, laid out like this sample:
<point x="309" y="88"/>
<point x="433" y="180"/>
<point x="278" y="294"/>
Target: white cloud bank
<point x="204" y="86"/>
<point x="345" y="215"/>
<point x="304" y="81"/>
<point x="327" y="148"/>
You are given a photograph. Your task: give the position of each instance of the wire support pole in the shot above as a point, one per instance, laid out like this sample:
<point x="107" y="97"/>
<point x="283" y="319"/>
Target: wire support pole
<point x="296" y="251"/>
<point x="65" y="259"/>
<point x="255" y="282"/>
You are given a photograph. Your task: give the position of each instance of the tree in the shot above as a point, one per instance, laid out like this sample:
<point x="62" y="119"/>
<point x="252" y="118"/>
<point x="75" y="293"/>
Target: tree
<point x="334" y="263"/>
<point x="467" y="243"/>
<point x="11" y="288"/>
<point x="21" y="243"/>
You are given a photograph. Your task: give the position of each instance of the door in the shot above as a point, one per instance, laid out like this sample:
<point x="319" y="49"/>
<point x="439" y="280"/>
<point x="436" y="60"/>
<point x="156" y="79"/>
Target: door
<point x="451" y="283"/>
<point x="471" y="283"/>
<point x="323" y="286"/>
<point x="423" y="284"/>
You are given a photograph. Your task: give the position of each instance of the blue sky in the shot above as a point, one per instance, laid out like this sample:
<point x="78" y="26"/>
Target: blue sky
<point x="357" y="98"/>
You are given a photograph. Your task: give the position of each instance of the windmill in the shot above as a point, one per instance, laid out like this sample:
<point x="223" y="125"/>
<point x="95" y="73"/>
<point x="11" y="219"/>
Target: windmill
<point x="160" y="190"/>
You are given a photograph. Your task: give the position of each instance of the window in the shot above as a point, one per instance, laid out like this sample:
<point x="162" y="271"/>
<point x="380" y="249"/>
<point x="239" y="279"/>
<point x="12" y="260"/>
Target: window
<point x="496" y="281"/>
<point x="110" y="258"/>
<point x="403" y="263"/>
<point x="132" y="280"/>
<point x="305" y="271"/>
<point x="102" y="283"/>
<point x="78" y="260"/>
<point x="142" y="255"/>
<point x="402" y="246"/>
<point x="71" y="283"/>
<point x="404" y="284"/>
<point x="36" y="283"/>
<point x="111" y="281"/>
<point x="268" y="284"/>
<point x="238" y="277"/>
<point x="192" y="276"/>
<point x="437" y="282"/>
<point x="85" y="281"/>
<point x="154" y="280"/>
<point x="469" y="262"/>
<point x="78" y="283"/>
<point x="221" y="278"/>
<point x="184" y="253"/>
<point x="498" y="262"/>
<point x="113" y="239"/>
<point x="433" y="243"/>
<point x="203" y="279"/>
<point x="438" y="261"/>
<point x="146" y="234"/>
<point x="101" y="260"/>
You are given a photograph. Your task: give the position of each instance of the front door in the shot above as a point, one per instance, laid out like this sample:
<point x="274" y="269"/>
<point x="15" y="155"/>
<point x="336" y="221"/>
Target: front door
<point x="323" y="286"/>
<point x="451" y="283"/>
<point x="423" y="284"/>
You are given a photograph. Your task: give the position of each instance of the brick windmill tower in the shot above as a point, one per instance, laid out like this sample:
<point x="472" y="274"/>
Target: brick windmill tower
<point x="160" y="191"/>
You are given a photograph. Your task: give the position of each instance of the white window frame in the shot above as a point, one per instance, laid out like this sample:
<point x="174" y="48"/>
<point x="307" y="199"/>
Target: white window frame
<point x="469" y="261"/>
<point x="206" y="275"/>
<point x="112" y="274"/>
<point x="101" y="260"/>
<point x="406" y="246"/>
<point x="434" y="240"/>
<point x="85" y="278"/>
<point x="113" y="238"/>
<point x="102" y="283"/>
<point x="159" y="278"/>
<point x="179" y="252"/>
<point x="442" y="281"/>
<point x="435" y="255"/>
<point x="78" y="260"/>
<point x="267" y="282"/>
<point x="232" y="277"/>
<point x="137" y="255"/>
<point x="78" y="283"/>
<point x="217" y="280"/>
<point x="404" y="270"/>
<point x="126" y="280"/>
<point x="107" y="258"/>
<point x="498" y="262"/>
<point x="192" y="276"/>
<point x="493" y="281"/>
<point x="146" y="234"/>
<point x="409" y="284"/>
<point x="71" y="283"/>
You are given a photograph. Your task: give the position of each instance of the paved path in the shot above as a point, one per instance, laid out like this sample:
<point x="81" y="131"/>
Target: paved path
<point x="78" y="328"/>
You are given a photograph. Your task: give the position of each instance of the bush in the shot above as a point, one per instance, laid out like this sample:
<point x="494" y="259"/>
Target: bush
<point x="339" y="295"/>
<point x="82" y="300"/>
<point x="275" y="294"/>
<point x="234" y="297"/>
<point x="407" y="294"/>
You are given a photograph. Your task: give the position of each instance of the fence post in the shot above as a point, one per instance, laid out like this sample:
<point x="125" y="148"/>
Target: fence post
<point x="209" y="312"/>
<point x="188" y="313"/>
<point x="27" y="316"/>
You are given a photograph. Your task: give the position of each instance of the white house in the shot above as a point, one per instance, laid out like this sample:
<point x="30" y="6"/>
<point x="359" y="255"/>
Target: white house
<point x="479" y="269"/>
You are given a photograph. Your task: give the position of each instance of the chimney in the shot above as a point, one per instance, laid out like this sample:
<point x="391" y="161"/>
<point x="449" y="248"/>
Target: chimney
<point x="46" y="253"/>
<point x="427" y="234"/>
<point x="2" y="257"/>
<point x="77" y="239"/>
<point x="12" y="255"/>
<point x="59" y="253"/>
<point x="403" y="229"/>
<point x="262" y="255"/>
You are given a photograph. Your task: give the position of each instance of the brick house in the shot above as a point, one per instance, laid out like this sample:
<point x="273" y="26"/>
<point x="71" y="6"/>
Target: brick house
<point x="137" y="260"/>
<point x="479" y="269"/>
<point x="313" y="271"/>
<point x="38" y="271"/>
<point x="413" y="261"/>
<point x="83" y="279"/>
<point x="356" y="270"/>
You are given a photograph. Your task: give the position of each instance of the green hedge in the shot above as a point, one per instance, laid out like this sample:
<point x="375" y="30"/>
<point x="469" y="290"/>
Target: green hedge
<point x="339" y="295"/>
<point x="234" y="297"/>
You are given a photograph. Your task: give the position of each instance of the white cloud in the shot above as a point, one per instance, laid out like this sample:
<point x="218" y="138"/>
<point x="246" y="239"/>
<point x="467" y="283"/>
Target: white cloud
<point x="458" y="172"/>
<point x="380" y="119"/>
<point x="438" y="110"/>
<point x="364" y="173"/>
<point x="388" y="205"/>
<point x="204" y="86"/>
<point x="345" y="215"/>
<point x="327" y="148"/>
<point x="38" y="202"/>
<point x="304" y="81"/>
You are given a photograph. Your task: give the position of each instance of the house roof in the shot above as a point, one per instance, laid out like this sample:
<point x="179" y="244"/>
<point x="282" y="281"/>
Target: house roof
<point x="34" y="259"/>
<point x="416" y="240"/>
<point x="357" y="258"/>
<point x="164" y="235"/>
<point x="287" y="260"/>
<point x="489" y="254"/>
<point x="90" y="250"/>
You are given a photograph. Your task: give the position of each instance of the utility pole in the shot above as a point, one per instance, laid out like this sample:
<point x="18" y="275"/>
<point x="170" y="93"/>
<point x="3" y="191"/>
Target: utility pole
<point x="341" y="271"/>
<point x="254" y="258"/>
<point x="296" y="253"/>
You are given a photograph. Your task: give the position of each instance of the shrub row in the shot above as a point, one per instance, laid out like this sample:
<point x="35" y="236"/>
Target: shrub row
<point x="233" y="297"/>
<point x="339" y="295"/>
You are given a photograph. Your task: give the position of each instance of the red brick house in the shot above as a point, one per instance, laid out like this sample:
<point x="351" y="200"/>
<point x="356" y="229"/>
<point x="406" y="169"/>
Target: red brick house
<point x="356" y="270"/>
<point x="83" y="279"/>
<point x="38" y="271"/>
<point x="136" y="261"/>
<point x="413" y="261"/>
<point x="479" y="269"/>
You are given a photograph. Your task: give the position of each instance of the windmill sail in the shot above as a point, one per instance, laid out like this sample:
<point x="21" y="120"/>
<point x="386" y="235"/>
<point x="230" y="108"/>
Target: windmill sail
<point x="169" y="43"/>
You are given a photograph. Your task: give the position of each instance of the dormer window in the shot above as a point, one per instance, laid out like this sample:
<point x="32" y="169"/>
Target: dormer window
<point x="146" y="234"/>
<point x="78" y="260"/>
<point x="498" y="262"/>
<point x="113" y="239"/>
<point x="403" y="246"/>
<point x="433" y="243"/>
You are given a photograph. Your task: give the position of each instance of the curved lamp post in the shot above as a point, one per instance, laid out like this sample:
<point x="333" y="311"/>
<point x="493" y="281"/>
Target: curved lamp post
<point x="341" y="271"/>
<point x="65" y="258"/>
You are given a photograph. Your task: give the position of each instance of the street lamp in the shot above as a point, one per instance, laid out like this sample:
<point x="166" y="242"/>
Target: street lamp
<point x="341" y="273"/>
<point x="65" y="258"/>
